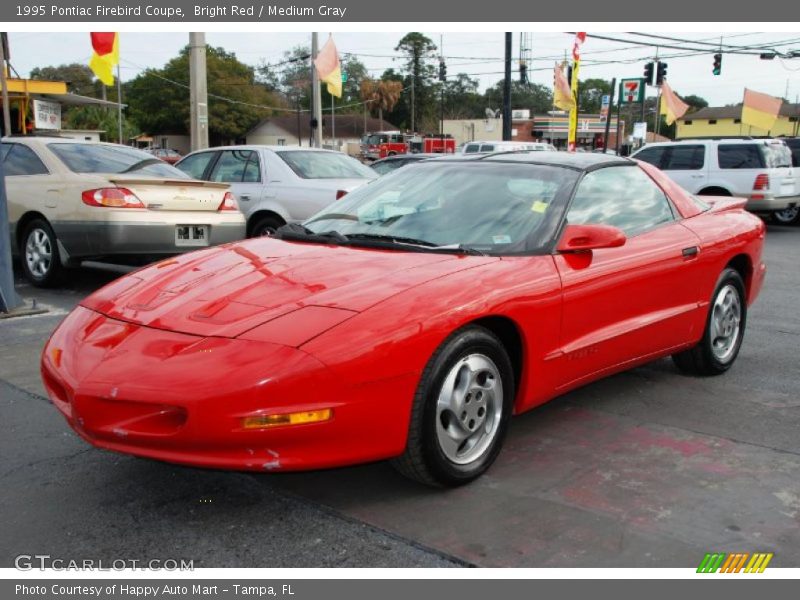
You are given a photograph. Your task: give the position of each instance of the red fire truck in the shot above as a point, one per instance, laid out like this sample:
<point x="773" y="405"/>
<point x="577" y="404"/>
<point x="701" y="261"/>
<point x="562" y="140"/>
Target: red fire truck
<point x="381" y="144"/>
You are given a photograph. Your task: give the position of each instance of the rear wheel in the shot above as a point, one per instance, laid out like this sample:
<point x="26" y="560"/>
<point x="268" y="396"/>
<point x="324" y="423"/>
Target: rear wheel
<point x="266" y="225"/>
<point x="461" y="410"/>
<point x="724" y="332"/>
<point x="787" y="216"/>
<point x="41" y="262"/>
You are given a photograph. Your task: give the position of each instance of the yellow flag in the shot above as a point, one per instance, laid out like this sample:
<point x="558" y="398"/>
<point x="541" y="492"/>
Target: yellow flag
<point x="760" y="110"/>
<point x="562" y="94"/>
<point x="671" y="106"/>
<point x="105" y="56"/>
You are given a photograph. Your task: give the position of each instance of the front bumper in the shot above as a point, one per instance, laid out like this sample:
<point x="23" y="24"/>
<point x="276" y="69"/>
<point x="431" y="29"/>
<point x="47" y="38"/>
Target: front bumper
<point x="182" y="398"/>
<point x="771" y="204"/>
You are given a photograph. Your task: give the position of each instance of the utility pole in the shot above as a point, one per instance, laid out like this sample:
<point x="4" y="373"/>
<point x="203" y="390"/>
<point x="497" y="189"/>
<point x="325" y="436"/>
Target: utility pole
<point x="507" y="92"/>
<point x="119" y="104"/>
<point x="317" y="93"/>
<point x="198" y="91"/>
<point x="4" y="83"/>
<point x="413" y="123"/>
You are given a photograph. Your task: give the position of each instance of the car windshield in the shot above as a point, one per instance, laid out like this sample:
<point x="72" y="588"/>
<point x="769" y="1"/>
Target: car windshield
<point x="384" y="167"/>
<point x="495" y="208"/>
<point x="325" y="165"/>
<point x="777" y="155"/>
<point x="102" y="158"/>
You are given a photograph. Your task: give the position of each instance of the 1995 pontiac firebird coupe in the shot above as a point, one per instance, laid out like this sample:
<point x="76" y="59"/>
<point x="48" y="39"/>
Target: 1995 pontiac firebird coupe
<point x="409" y="320"/>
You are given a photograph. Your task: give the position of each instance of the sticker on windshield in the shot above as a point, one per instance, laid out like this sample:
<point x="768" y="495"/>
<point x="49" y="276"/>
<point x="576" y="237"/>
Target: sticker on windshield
<point x="501" y="239"/>
<point x="539" y="206"/>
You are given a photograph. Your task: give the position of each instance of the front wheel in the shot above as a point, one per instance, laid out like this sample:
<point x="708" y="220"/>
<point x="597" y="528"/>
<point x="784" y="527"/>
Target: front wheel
<point x="787" y="216"/>
<point x="724" y="332"/>
<point x="461" y="410"/>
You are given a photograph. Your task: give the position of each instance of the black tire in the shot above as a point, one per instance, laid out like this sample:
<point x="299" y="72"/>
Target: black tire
<point x="266" y="225"/>
<point x="38" y="235"/>
<point x="702" y="359"/>
<point x="424" y="459"/>
<point x="789" y="216"/>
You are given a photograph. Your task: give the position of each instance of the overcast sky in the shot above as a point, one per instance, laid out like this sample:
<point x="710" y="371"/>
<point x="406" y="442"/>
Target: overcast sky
<point x="478" y="54"/>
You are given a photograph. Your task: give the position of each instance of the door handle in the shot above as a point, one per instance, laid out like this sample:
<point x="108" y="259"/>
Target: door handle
<point x="244" y="196"/>
<point x="690" y="252"/>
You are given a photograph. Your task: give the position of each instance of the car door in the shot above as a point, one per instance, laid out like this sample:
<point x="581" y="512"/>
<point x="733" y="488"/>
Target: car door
<point x="623" y="304"/>
<point x="686" y="165"/>
<point x="241" y="169"/>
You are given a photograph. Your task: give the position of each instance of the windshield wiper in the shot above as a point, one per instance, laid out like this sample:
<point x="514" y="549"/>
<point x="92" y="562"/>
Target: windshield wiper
<point x="397" y="239"/>
<point x="141" y="164"/>
<point x="407" y="241"/>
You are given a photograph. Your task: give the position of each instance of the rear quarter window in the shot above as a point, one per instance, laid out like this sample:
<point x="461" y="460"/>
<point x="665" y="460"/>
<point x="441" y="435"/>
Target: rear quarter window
<point x="740" y="156"/>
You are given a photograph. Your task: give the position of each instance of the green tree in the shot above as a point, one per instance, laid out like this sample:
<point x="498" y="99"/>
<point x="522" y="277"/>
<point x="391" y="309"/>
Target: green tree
<point x="694" y="102"/>
<point x="99" y="117"/>
<point x="418" y="51"/>
<point x="535" y="97"/>
<point x="590" y="94"/>
<point x="159" y="98"/>
<point x="79" y="78"/>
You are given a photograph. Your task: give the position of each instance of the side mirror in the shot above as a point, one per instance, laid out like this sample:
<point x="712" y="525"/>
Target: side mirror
<point x="582" y="238"/>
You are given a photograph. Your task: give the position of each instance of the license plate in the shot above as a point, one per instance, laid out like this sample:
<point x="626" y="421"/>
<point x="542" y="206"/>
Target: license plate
<point x="191" y="235"/>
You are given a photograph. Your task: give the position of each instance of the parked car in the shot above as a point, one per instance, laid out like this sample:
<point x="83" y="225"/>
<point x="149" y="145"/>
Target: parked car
<point x="791" y="215"/>
<point x="411" y="319"/>
<point x="168" y="155"/>
<point x="275" y="185"/>
<point x="486" y="147"/>
<point x="390" y="163"/>
<point x="757" y="169"/>
<point x="71" y="200"/>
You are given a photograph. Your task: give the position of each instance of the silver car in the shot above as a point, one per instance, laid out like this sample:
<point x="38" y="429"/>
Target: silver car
<point x="275" y="185"/>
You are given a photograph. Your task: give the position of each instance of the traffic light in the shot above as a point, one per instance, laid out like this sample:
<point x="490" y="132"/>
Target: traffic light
<point x="648" y="74"/>
<point x="717" y="64"/>
<point x="661" y="73"/>
<point x="442" y="71"/>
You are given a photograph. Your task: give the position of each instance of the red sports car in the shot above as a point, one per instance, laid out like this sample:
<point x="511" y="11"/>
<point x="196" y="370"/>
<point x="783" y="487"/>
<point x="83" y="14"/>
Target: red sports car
<point x="411" y="319"/>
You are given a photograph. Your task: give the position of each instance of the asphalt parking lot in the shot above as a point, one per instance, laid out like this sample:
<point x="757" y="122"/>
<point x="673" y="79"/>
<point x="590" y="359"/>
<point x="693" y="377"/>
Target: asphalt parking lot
<point x="647" y="469"/>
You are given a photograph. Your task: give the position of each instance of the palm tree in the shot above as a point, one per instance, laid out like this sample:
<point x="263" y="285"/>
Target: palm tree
<point x="382" y="95"/>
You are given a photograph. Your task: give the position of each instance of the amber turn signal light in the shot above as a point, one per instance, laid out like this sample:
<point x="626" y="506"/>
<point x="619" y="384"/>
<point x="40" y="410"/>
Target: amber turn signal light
<point x="298" y="418"/>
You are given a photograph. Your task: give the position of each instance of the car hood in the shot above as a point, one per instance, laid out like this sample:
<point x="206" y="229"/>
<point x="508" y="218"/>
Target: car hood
<point x="229" y="290"/>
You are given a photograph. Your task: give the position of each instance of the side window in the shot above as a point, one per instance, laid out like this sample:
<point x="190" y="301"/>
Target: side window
<point x="231" y="165"/>
<point x="252" y="170"/>
<point x="739" y="156"/>
<point x="623" y="197"/>
<point x="651" y="155"/>
<point x="487" y="148"/>
<point x="195" y="165"/>
<point x="471" y="148"/>
<point x="21" y="160"/>
<point x="685" y="158"/>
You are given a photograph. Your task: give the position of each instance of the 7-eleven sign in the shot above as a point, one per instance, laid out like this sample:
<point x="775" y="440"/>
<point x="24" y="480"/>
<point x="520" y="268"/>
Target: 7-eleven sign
<point x="631" y="90"/>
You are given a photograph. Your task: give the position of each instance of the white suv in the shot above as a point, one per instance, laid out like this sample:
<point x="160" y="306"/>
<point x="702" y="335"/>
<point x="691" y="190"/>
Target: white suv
<point x="757" y="169"/>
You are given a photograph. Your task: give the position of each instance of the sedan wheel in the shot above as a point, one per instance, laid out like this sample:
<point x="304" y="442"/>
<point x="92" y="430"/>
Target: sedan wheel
<point x="787" y="216"/>
<point x="461" y="410"/>
<point x="266" y="226"/>
<point x="41" y="263"/>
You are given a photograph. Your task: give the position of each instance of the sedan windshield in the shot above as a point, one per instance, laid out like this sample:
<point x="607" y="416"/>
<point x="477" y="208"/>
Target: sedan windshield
<point x="325" y="165"/>
<point x="102" y="158"/>
<point x="493" y="208"/>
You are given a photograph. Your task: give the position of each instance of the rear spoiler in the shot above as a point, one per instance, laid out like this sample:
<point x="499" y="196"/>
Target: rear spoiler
<point x="121" y="179"/>
<point x="723" y="203"/>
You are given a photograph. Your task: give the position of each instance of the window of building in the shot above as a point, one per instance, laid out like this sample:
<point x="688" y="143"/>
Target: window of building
<point x="712" y="121"/>
<point x="687" y="122"/>
<point x="737" y="120"/>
